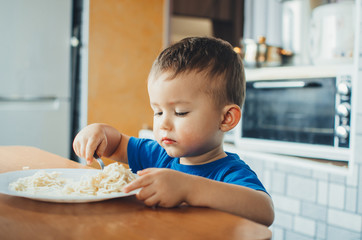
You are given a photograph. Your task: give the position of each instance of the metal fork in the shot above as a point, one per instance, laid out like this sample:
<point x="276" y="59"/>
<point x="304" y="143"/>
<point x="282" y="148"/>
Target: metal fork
<point x="99" y="160"/>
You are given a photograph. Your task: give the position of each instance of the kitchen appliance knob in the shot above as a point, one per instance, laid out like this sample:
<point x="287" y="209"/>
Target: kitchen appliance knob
<point x="344" y="88"/>
<point x="343" y="109"/>
<point x="342" y="132"/>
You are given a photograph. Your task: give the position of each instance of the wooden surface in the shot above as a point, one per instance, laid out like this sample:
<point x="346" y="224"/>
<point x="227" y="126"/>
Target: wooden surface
<point x="122" y="218"/>
<point x="125" y="37"/>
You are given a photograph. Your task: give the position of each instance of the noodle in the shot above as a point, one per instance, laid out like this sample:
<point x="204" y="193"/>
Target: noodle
<point x="110" y="180"/>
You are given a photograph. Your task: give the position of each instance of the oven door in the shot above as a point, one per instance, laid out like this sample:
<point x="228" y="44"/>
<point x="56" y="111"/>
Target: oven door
<point x="297" y="111"/>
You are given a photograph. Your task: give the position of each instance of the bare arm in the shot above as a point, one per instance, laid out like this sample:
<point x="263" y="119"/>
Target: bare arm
<point x="169" y="188"/>
<point x="243" y="201"/>
<point x="101" y="139"/>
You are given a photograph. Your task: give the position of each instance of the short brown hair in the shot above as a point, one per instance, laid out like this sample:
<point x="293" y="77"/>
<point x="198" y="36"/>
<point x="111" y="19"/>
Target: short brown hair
<point x="211" y="56"/>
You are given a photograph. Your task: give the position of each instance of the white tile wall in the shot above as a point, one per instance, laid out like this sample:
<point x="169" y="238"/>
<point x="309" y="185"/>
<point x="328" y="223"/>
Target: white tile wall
<point x="352" y="179"/>
<point x="284" y="220"/>
<point x="322" y="175"/>
<point x="266" y="178"/>
<point x="359" y="117"/>
<point x="351" y="199"/>
<point x="278" y="182"/>
<point x="336" y="196"/>
<point x="322" y="193"/>
<point x="335" y="233"/>
<point x="314" y="211"/>
<point x="359" y="190"/>
<point x="358" y="147"/>
<point x="297" y="236"/>
<point x="321" y="230"/>
<point x="302" y="188"/>
<point x="286" y="204"/>
<point x="305" y="226"/>
<point x="278" y="233"/>
<point x="345" y="220"/>
<point x="358" y="88"/>
<point x="307" y="172"/>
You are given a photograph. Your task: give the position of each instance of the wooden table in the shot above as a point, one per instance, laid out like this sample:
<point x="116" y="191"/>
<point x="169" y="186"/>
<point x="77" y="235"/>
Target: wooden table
<point x="122" y="218"/>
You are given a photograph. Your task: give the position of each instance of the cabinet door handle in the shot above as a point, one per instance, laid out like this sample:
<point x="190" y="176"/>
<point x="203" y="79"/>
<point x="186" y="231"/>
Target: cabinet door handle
<point x="27" y="98"/>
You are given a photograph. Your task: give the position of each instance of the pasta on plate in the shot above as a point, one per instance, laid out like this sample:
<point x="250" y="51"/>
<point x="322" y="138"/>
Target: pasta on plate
<point x="110" y="180"/>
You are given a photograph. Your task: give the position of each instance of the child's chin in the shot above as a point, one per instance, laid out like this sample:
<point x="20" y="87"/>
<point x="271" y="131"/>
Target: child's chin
<point x="173" y="154"/>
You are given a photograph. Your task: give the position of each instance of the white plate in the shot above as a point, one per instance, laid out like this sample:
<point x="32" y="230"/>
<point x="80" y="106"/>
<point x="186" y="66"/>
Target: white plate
<point x="75" y="174"/>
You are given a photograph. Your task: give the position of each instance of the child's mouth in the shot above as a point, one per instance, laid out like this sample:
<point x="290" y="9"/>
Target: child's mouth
<point x="167" y="140"/>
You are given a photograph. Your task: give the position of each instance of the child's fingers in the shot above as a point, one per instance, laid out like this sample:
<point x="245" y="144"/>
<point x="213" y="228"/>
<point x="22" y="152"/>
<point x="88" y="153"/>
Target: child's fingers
<point x="145" y="193"/>
<point x="145" y="171"/>
<point x="152" y="201"/>
<point x="90" y="149"/>
<point x="101" y="148"/>
<point x="136" y="184"/>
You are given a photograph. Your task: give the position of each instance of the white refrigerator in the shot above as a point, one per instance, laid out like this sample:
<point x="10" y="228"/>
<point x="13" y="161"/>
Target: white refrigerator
<point x="35" y="74"/>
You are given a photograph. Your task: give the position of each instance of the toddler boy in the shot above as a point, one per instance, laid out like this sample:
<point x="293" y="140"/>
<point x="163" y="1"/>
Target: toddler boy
<point x="196" y="89"/>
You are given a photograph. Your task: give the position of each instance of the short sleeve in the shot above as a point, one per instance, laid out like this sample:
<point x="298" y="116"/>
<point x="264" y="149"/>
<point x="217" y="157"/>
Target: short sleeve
<point x="244" y="177"/>
<point x="144" y="153"/>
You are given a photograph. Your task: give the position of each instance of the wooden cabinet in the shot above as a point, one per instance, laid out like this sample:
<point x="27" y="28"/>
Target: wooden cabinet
<point x="125" y="37"/>
<point x="227" y="16"/>
<point x="214" y="9"/>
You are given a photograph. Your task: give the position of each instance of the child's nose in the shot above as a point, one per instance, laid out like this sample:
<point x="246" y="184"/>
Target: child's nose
<point x="166" y="123"/>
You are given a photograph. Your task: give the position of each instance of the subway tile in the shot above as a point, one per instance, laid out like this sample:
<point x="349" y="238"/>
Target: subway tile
<point x="314" y="211"/>
<point x="346" y="220"/>
<point x="302" y="187"/>
<point x="305" y="226"/>
<point x="277" y="233"/>
<point x="358" y="88"/>
<point x="322" y="193"/>
<point x="256" y="164"/>
<point x="258" y="167"/>
<point x="336" y="195"/>
<point x="359" y="203"/>
<point x="283" y="219"/>
<point x="360" y="55"/>
<point x="291" y="169"/>
<point x="351" y="199"/>
<point x="336" y="233"/>
<point x="286" y="204"/>
<point x="269" y="165"/>
<point x="359" y="116"/>
<point x="266" y="180"/>
<point x="352" y="179"/>
<point x="320" y="175"/>
<point x="358" y="149"/>
<point x="321" y="230"/>
<point x="335" y="178"/>
<point x="296" y="236"/>
<point x="278" y="182"/>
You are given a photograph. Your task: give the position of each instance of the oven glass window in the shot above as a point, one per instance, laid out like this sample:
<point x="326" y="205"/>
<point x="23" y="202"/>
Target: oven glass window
<point x="301" y="110"/>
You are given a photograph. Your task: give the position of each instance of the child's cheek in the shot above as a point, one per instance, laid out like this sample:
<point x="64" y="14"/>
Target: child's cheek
<point x="190" y="136"/>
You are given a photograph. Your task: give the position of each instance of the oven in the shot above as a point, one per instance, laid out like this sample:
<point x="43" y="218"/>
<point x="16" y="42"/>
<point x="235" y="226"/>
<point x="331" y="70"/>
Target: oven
<point x="299" y="111"/>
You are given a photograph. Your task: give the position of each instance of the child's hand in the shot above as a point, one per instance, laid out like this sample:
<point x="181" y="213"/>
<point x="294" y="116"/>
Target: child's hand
<point x="160" y="187"/>
<point x="92" y="139"/>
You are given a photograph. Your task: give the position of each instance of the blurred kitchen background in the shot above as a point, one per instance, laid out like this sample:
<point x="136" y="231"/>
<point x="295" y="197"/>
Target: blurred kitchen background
<point x="66" y="64"/>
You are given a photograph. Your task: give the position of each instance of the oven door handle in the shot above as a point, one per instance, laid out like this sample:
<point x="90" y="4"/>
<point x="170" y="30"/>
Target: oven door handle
<point x="285" y="84"/>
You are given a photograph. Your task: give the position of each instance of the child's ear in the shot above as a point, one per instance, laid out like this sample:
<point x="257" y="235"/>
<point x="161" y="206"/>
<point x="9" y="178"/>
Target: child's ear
<point x="231" y="117"/>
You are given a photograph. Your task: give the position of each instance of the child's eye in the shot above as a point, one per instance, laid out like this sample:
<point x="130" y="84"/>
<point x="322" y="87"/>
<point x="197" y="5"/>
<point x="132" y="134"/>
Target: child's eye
<point x="181" y="113"/>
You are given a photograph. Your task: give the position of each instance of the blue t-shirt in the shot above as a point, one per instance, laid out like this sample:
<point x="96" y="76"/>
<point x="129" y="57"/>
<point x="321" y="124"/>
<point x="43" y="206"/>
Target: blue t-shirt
<point x="147" y="153"/>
